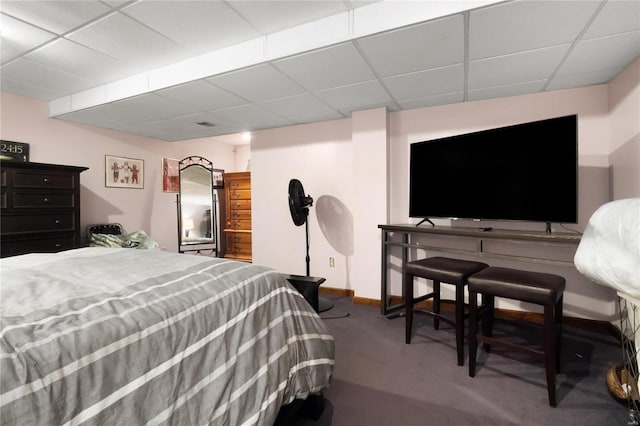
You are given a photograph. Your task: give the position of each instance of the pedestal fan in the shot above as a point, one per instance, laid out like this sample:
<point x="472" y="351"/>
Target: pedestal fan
<point x="299" y="204"/>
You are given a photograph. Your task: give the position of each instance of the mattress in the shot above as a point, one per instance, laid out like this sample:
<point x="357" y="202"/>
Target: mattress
<point x="122" y="336"/>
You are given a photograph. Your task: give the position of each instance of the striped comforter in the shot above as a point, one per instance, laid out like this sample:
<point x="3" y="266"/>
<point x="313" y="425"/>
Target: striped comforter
<point x="122" y="336"/>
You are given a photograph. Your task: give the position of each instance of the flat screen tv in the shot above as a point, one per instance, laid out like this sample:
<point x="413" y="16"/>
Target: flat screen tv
<point x="524" y="172"/>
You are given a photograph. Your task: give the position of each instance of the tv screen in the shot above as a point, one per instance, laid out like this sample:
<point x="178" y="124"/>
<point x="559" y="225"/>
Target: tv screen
<point x="526" y="172"/>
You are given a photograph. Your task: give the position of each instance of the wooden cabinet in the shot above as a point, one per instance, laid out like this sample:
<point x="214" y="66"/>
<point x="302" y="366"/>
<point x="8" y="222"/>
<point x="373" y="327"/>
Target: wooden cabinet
<point x="40" y="205"/>
<point x="237" y="226"/>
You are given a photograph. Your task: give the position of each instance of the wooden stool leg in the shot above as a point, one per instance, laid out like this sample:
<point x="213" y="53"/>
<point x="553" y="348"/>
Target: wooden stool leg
<point x="473" y="331"/>
<point x="436" y="304"/>
<point x="550" y="352"/>
<point x="460" y="323"/>
<point x="408" y="306"/>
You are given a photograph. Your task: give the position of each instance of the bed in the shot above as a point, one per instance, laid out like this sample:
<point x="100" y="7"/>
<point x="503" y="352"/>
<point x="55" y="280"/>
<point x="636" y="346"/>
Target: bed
<point x="124" y="336"/>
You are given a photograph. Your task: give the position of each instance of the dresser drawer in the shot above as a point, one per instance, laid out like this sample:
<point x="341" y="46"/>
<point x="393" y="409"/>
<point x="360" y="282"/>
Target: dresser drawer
<point x="235" y="214"/>
<point x="239" y="184"/>
<point x="239" y="250"/>
<point x="238" y="238"/>
<point x="239" y="205"/>
<point x="41" y="245"/>
<point x="36" y="179"/>
<point x="239" y="224"/>
<point x="32" y="223"/>
<point x="41" y="199"/>
<point x="239" y="194"/>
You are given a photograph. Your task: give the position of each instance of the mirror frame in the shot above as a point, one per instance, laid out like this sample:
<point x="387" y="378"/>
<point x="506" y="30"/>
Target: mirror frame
<point x="205" y="244"/>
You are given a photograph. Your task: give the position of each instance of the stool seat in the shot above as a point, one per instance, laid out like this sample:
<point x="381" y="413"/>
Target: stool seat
<point x="445" y="270"/>
<point x="532" y="287"/>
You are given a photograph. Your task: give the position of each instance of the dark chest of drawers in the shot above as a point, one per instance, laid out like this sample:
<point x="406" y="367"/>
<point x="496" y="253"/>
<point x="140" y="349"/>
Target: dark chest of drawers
<point x="40" y="207"/>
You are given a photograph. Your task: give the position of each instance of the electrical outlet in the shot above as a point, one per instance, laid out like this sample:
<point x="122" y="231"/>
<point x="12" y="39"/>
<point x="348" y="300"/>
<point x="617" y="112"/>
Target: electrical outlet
<point x="332" y="262"/>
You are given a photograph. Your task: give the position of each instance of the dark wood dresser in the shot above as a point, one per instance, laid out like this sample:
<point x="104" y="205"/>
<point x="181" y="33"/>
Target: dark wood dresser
<point x="40" y="207"/>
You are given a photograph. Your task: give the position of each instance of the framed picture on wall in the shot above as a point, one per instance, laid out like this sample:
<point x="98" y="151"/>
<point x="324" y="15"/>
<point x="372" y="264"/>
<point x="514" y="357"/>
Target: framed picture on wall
<point x="123" y="172"/>
<point x="170" y="179"/>
<point x="218" y="182"/>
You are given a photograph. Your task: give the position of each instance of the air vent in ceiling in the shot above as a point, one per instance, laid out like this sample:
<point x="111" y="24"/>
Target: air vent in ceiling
<point x="205" y="124"/>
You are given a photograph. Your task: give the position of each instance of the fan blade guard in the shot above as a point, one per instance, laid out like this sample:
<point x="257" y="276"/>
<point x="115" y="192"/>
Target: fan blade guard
<point x="299" y="203"/>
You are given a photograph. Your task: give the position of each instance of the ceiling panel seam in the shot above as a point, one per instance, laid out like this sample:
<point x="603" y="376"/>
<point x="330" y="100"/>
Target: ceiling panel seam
<point x="574" y="44"/>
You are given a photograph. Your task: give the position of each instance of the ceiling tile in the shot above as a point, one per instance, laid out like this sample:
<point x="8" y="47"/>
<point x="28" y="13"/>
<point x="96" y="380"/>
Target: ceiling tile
<point x="250" y="117"/>
<point x="615" y="17"/>
<point x="356" y="97"/>
<point x="202" y="95"/>
<point x="431" y="45"/>
<point x="571" y="81"/>
<point x="516" y="68"/>
<point x="302" y="108"/>
<point x="123" y="38"/>
<point x="155" y="106"/>
<point x="506" y="91"/>
<point x="55" y="16"/>
<point x="334" y="66"/>
<point x="427" y="83"/>
<point x="603" y="53"/>
<point x="524" y="25"/>
<point x="76" y="59"/>
<point x="117" y="113"/>
<point x="91" y="118"/>
<point x="258" y="83"/>
<point x="57" y="82"/>
<point x="17" y="37"/>
<point x="26" y="89"/>
<point x="271" y="16"/>
<point x="430" y="101"/>
<point x="200" y="27"/>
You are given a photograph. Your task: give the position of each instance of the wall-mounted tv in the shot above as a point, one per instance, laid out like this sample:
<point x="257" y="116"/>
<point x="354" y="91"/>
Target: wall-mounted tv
<point x="524" y="172"/>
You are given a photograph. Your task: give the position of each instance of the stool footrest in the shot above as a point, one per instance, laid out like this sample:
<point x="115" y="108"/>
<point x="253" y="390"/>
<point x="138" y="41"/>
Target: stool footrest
<point x="536" y="353"/>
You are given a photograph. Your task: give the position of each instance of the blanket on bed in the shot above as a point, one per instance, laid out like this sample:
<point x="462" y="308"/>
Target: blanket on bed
<point x="609" y="250"/>
<point x="120" y="336"/>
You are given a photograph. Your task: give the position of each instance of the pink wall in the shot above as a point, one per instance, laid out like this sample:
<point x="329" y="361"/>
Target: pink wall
<point x="25" y="119"/>
<point x="624" y="105"/>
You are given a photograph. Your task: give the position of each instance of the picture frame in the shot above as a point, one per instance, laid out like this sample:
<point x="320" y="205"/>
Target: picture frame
<point x="218" y="180"/>
<point x="170" y="175"/>
<point x="123" y="172"/>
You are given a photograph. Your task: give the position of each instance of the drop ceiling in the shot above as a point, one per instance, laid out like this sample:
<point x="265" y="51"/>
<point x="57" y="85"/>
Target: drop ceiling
<point x="178" y="70"/>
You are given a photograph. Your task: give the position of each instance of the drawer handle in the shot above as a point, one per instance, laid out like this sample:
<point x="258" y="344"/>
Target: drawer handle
<point x="235" y="194"/>
<point x="237" y="205"/>
<point x="57" y="222"/>
<point x="45" y="180"/>
<point x="46" y="199"/>
<point x="236" y="214"/>
<point x="235" y="185"/>
<point x="58" y="245"/>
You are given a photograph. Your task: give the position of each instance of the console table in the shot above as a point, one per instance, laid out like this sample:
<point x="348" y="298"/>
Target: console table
<point x="479" y="236"/>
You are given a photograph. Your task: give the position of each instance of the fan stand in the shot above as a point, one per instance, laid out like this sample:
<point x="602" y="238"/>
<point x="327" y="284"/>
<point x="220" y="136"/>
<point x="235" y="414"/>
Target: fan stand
<point x="324" y="304"/>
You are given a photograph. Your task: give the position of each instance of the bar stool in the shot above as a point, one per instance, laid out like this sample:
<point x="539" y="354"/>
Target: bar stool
<point x="533" y="287"/>
<point x="439" y="270"/>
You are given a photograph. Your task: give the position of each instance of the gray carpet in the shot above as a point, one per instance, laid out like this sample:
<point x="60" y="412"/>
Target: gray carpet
<point x="380" y="380"/>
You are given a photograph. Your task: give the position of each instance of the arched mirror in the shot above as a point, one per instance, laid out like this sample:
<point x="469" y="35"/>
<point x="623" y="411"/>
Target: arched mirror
<point x="197" y="206"/>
